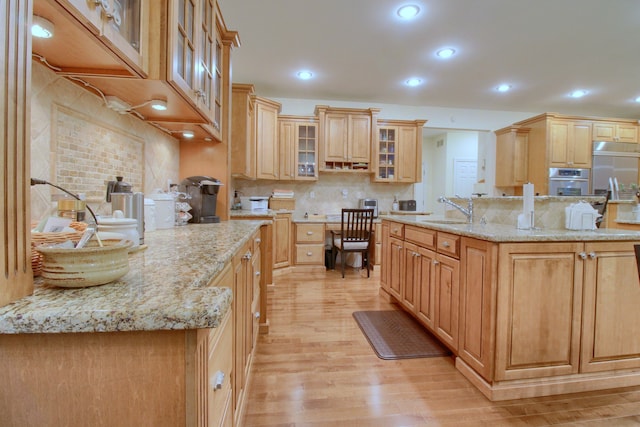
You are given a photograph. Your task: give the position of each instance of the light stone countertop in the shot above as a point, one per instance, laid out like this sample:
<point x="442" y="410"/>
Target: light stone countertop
<point x="164" y="289"/>
<point x="509" y="233"/>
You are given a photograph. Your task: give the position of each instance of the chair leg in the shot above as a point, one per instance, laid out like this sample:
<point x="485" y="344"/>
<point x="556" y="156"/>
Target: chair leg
<point x="333" y="257"/>
<point x="342" y="262"/>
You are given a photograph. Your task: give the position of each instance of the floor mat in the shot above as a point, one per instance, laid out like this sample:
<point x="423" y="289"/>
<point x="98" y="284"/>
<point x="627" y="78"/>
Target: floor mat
<point x="394" y="334"/>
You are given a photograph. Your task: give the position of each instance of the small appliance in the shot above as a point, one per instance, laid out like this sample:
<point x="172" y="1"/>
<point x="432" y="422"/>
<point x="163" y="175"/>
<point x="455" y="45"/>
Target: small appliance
<point x="204" y="193"/>
<point x="370" y="204"/>
<point x="407" y="205"/>
<point x="254" y="203"/>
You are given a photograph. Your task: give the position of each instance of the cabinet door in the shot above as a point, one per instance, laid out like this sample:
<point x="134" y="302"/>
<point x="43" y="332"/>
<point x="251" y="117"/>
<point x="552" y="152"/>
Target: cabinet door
<point x="386" y="258"/>
<point x="582" y="145"/>
<point x="336" y="137"/>
<point x="306" y="151"/>
<point x="411" y="276"/>
<point x="207" y="71"/>
<point x="359" y="139"/>
<point x="425" y="299"/>
<point x="286" y="141"/>
<point x="511" y="155"/>
<point x="627" y="133"/>
<point x="570" y="144"/>
<point x="447" y="296"/>
<point x="538" y="310"/>
<point x="385" y="153"/>
<point x="266" y="137"/>
<point x="182" y="43"/>
<point x="282" y="240"/>
<point x="409" y="165"/>
<point x="239" y="308"/>
<point x="611" y="314"/>
<point x="606" y="131"/>
<point x="396" y="267"/>
<point x="478" y="262"/>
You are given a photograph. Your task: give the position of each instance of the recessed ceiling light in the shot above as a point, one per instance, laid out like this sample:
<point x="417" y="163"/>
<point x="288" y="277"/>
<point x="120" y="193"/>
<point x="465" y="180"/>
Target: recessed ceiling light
<point x="188" y="133"/>
<point x="413" y="81"/>
<point x="41" y="27"/>
<point x="578" y="93"/>
<point x="445" y="53"/>
<point x="504" y="88"/>
<point x="304" y="75"/>
<point x="408" y="11"/>
<point x="159" y="104"/>
<point x="637" y="99"/>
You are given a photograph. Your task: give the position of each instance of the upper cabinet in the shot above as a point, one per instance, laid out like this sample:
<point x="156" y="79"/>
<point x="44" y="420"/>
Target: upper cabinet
<point x="298" y="138"/>
<point x="615" y="131"/>
<point x="345" y="138"/>
<point x="177" y="51"/>
<point x="511" y="155"/>
<point x="570" y="144"/>
<point x="265" y="131"/>
<point x="398" y="151"/>
<point x="94" y="37"/>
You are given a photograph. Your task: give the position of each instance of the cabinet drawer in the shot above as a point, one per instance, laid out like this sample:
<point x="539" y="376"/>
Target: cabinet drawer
<point x="449" y="244"/>
<point x="396" y="230"/>
<point x="420" y="236"/>
<point x="220" y="363"/>
<point x="310" y="233"/>
<point x="310" y="254"/>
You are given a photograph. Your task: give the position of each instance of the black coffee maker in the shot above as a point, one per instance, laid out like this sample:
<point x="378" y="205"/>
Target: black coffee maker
<point x="204" y="193"/>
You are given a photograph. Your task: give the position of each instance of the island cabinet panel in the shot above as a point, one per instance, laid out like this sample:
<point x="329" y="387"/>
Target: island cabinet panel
<point x="611" y="311"/>
<point x="396" y="267"/>
<point x="385" y="259"/>
<point x="447" y="295"/>
<point x="425" y="299"/>
<point x="539" y="310"/>
<point x="478" y="265"/>
<point x="411" y="277"/>
<point x="282" y="240"/>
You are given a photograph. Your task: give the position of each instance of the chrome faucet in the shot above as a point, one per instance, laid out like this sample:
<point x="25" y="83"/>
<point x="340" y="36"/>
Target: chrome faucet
<point x="468" y="212"/>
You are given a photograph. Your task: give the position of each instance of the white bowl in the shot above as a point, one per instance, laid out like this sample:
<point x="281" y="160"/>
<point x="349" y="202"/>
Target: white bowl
<point x="90" y="266"/>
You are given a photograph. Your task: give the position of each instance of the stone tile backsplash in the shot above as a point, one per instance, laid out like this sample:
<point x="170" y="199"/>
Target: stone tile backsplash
<point x="79" y="144"/>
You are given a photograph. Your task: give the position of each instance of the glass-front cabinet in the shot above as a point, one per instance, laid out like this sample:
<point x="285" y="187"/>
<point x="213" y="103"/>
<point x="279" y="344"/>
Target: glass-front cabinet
<point x="387" y="143"/>
<point x="306" y="151"/>
<point x="298" y="139"/>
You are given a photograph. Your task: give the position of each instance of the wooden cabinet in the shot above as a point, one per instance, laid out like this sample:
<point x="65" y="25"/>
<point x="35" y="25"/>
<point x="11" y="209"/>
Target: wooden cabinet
<point x="95" y="37"/>
<point x="298" y="138"/>
<point x="309" y="246"/>
<point x="396" y="267"/>
<point x="398" y="151"/>
<point x="216" y="377"/>
<point x="255" y="151"/>
<point x="511" y="156"/>
<point x="410" y="276"/>
<point x="282" y="240"/>
<point x="610" y="313"/>
<point x="385" y="260"/>
<point x="570" y="144"/>
<point x="478" y="263"/>
<point x="617" y="132"/>
<point x="345" y="137"/>
<point x="539" y="310"/>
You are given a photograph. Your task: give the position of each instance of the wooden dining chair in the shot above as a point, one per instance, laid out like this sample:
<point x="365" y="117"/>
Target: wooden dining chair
<point x="636" y="248"/>
<point x="355" y="236"/>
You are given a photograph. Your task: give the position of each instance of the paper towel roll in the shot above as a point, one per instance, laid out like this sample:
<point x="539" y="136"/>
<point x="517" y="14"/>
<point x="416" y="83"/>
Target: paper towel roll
<point x="527" y="198"/>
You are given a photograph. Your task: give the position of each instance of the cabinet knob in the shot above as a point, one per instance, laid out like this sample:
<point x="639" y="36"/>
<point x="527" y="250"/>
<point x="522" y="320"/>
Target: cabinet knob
<point x="257" y="273"/>
<point x="217" y="381"/>
<point x="446" y="244"/>
<point x="309" y="253"/>
<point x="247" y="255"/>
<point x="436" y="262"/>
<point x="256" y="314"/>
<point x="258" y="240"/>
<point x="309" y="233"/>
<point x="592" y="255"/>
<point x="582" y="255"/>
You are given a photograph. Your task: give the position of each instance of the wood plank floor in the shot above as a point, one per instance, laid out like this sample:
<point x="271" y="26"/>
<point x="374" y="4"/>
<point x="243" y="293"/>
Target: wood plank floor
<point x="315" y="368"/>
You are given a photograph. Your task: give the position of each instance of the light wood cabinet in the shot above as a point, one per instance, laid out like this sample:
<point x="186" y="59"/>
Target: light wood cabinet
<point x="539" y="310"/>
<point x="570" y="144"/>
<point x="298" y="138"/>
<point x="447" y="291"/>
<point x="282" y="240"/>
<point x="610" y="313"/>
<point x="617" y="132"/>
<point x="265" y="131"/>
<point x="396" y="267"/>
<point x="410" y="276"/>
<point x="511" y="156"/>
<point x="478" y="263"/>
<point x="398" y="151"/>
<point x="309" y="244"/>
<point x="345" y="138"/>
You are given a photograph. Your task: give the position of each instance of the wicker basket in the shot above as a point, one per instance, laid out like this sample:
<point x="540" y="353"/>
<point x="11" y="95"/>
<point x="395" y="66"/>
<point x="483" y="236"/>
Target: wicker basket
<point x="52" y="238"/>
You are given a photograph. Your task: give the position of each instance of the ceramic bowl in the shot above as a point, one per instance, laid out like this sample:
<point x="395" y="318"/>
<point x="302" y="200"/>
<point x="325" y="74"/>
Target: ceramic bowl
<point x="90" y="266"/>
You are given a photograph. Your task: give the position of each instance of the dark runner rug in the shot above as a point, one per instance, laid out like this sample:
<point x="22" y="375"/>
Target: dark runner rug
<point x="395" y="334"/>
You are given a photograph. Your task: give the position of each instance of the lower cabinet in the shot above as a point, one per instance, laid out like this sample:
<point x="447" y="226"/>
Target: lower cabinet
<point x="309" y="246"/>
<point x="282" y="240"/>
<point x="447" y="296"/>
<point x="216" y="379"/>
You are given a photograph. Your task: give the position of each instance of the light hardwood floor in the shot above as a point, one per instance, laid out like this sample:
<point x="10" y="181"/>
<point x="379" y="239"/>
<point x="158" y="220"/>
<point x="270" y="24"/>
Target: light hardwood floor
<point x="315" y="368"/>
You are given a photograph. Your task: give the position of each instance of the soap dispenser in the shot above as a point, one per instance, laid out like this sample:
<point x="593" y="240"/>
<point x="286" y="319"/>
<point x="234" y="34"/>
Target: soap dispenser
<point x="394" y="206"/>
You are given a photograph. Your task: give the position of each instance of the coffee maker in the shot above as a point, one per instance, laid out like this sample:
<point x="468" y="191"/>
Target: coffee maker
<point x="204" y="193"/>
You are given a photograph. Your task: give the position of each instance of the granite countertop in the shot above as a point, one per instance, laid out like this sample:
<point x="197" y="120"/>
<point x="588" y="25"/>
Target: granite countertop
<point x="164" y="289"/>
<point x="243" y="213"/>
<point x="509" y="233"/>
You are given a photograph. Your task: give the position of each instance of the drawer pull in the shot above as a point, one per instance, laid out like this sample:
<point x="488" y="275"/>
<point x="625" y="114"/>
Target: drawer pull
<point x="309" y="233"/>
<point x="445" y="244"/>
<point x="217" y="381"/>
<point x="309" y="253"/>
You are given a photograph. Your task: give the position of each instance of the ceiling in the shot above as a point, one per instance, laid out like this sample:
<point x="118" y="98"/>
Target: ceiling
<point x="360" y="51"/>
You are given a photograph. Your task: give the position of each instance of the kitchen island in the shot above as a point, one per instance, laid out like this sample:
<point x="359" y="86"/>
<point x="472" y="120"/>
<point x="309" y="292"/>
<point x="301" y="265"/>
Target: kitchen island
<point x="525" y="312"/>
<point x="163" y="345"/>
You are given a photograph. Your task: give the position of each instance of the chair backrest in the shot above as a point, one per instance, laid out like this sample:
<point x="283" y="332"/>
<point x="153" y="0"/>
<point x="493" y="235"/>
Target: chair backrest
<point x="356" y="225"/>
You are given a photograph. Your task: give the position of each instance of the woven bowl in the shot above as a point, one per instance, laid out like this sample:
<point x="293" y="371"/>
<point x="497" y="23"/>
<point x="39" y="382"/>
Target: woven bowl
<point x="89" y="266"/>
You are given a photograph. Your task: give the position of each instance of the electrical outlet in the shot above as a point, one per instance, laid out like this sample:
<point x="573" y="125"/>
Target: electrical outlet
<point x="345" y="193"/>
<point x="312" y="194"/>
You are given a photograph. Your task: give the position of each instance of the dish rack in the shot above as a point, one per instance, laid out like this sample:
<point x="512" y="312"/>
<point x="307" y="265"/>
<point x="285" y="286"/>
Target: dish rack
<point x="38" y="238"/>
